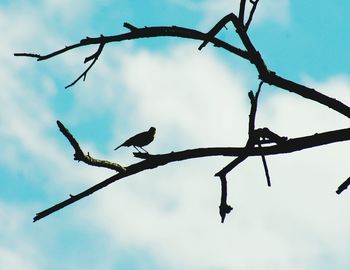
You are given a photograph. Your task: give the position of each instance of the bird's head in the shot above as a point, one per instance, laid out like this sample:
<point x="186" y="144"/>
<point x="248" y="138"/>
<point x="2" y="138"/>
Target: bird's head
<point x="152" y="130"/>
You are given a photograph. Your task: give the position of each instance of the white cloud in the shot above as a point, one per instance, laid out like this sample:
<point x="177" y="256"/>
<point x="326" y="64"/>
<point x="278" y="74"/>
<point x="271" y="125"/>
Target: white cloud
<point x="67" y="10"/>
<point x="267" y="10"/>
<point x="11" y="260"/>
<point x="28" y="130"/>
<point x="172" y="212"/>
<point x="174" y="91"/>
<point x="16" y="249"/>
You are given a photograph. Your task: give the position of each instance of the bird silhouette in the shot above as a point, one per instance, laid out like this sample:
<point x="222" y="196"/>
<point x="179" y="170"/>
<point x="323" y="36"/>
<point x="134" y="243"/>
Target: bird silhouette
<point x="139" y="140"/>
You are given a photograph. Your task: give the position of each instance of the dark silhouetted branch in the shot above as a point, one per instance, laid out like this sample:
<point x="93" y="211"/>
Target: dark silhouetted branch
<point x="251" y="138"/>
<point x="251" y="14"/>
<point x="93" y="57"/>
<point x="154" y="161"/>
<point x="224" y="208"/>
<point x="343" y="186"/>
<point x="289" y="146"/>
<point x="241" y="11"/>
<point x="145" y="32"/>
<point x="254" y="107"/>
<point x="250" y="54"/>
<point x="130" y="26"/>
<point x="80" y="156"/>
<point x="266" y="169"/>
<point x="270" y="77"/>
<point x="256" y="134"/>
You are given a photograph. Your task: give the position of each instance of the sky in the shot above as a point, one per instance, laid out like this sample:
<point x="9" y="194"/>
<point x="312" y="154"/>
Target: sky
<point x="167" y="218"/>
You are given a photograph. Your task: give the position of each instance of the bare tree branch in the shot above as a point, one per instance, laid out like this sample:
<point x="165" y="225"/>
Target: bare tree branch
<point x="80" y="156"/>
<point x="93" y="57"/>
<point x="154" y="161"/>
<point x="254" y="107"/>
<point x="146" y="32"/>
<point x="251" y="54"/>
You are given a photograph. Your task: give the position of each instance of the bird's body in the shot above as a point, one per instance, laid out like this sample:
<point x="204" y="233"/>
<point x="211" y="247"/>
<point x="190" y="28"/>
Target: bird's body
<point x="140" y="140"/>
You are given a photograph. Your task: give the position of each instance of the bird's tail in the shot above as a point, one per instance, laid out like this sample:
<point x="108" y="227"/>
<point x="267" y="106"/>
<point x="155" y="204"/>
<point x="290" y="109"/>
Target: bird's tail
<point x="118" y="147"/>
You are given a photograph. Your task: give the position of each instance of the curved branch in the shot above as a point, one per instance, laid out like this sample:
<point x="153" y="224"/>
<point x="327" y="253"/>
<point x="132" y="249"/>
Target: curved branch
<point x="174" y="31"/>
<point x="135" y="33"/>
<point x="80" y="156"/>
<point x="153" y="161"/>
<point x="146" y="32"/>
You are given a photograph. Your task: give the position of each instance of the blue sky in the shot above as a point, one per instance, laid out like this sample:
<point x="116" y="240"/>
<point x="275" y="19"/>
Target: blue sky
<point x="194" y="99"/>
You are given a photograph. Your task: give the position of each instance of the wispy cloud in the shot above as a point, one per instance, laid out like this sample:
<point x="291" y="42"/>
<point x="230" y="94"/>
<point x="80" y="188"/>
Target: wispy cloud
<point x="16" y="249"/>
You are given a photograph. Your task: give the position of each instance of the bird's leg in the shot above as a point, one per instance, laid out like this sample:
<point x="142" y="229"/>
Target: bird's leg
<point x="138" y="150"/>
<point x="144" y="149"/>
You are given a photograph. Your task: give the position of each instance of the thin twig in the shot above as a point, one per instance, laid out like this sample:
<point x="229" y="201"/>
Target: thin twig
<point x="130" y="26"/>
<point x="254" y="106"/>
<point x="251" y="14"/>
<point x="253" y="131"/>
<point x="224" y="208"/>
<point x="87" y="59"/>
<point x="241" y="11"/>
<point x="343" y="186"/>
<point x="250" y="142"/>
<point x="266" y="169"/>
<point x="33" y="55"/>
